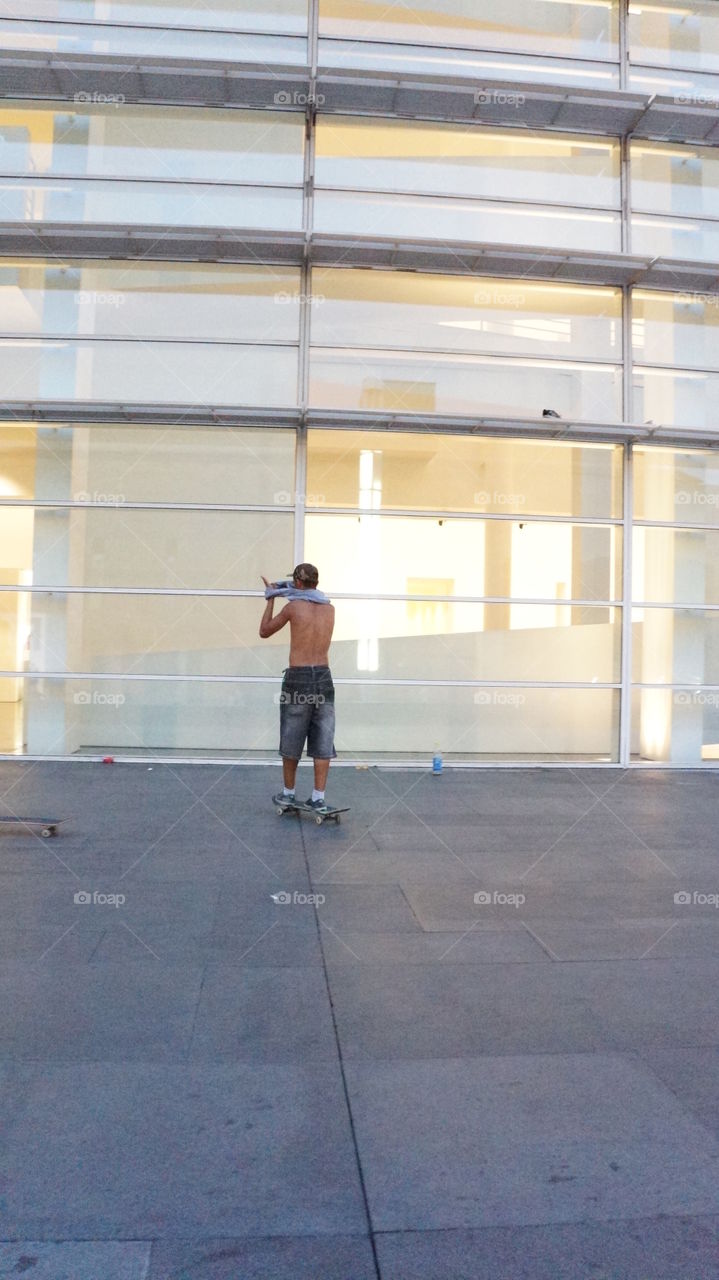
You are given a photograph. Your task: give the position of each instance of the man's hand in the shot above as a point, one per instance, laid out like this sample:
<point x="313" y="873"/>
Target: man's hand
<point x="267" y="584"/>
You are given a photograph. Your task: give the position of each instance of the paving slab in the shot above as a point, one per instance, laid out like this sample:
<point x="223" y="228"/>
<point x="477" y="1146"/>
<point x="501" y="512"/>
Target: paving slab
<point x="263" y="1015"/>
<point x="363" y="908"/>
<point x="641" y="1249"/>
<point x="75" y="1260"/>
<point x="476" y="947"/>
<point x="155" y="1152"/>
<point x="526" y="1140"/>
<point x="693" y="1077"/>
<point x="80" y="1012"/>
<point x="431" y="1010"/>
<point x="296" y="1258"/>
<point x="452" y="907"/>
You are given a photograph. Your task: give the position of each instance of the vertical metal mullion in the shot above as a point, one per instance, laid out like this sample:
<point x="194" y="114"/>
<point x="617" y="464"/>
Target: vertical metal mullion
<point x="625" y="742"/>
<point x="623" y="44"/>
<point x="305" y="316"/>
<point x="625" y="184"/>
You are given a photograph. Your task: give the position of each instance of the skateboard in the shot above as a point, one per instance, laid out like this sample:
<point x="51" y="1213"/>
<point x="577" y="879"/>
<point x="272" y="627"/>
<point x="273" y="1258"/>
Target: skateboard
<point x="299" y="806"/>
<point x="48" y="826"/>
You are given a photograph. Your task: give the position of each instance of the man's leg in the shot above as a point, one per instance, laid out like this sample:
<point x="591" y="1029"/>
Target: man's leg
<point x="322" y="768"/>
<point x="289" y="772"/>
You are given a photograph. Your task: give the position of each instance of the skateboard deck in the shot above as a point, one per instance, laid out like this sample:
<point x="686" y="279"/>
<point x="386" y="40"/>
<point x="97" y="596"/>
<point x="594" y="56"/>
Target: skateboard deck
<point x="48" y="826"/>
<point x="298" y="806"/>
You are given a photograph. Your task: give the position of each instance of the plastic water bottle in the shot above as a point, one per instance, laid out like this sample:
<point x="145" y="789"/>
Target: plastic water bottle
<point x="437" y="762"/>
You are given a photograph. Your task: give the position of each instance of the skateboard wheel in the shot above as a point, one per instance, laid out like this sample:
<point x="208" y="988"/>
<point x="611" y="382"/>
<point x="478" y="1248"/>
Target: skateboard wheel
<point x="337" y="820"/>
<point x="47" y="831"/>
<point x="319" y="821"/>
<point x="280" y="810"/>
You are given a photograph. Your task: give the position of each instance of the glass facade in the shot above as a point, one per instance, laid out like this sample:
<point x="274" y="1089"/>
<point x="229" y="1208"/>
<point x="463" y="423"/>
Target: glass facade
<point x="420" y="350"/>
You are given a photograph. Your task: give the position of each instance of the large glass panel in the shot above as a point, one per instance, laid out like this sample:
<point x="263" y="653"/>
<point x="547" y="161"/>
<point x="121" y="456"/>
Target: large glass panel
<point x="127" y="547"/>
<point x="443" y="558"/>
<point x="150" y="300"/>
<point x="218" y="636"/>
<point x="676" y="328"/>
<point x="119" y="464"/>
<point x="677" y="646"/>
<point x="250" y="15"/>
<point x="688" y="87"/>
<point x="458" y="384"/>
<point x="683" y="398"/>
<point x="67" y="38"/>
<point x="370" y="470"/>
<point x="676" y="566"/>
<point x="575" y="29"/>
<point x="682" y="180"/>
<point x="672" y="34"/>
<point x="665" y="237"/>
<point x="89" y="139"/>
<point x="675" y="726"/>
<point x="148" y="203"/>
<point x="497" y="723"/>
<point x="443" y="639"/>
<point x="677" y="485"/>
<point x="431" y="217"/>
<point x="156" y="152"/>
<point x="136" y="635"/>
<point x="194" y="717"/>
<point x="445" y="161"/>
<point x="477" y="67"/>
<point x="147" y="372"/>
<point x="479" y="314"/>
<point x="56" y="717"/>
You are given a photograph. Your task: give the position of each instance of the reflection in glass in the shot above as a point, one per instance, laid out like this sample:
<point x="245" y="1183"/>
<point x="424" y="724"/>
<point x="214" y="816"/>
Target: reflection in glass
<point x="668" y="34"/>
<point x="385" y="555"/>
<point x="460" y="473"/>
<point x="127" y="547"/>
<point x="678" y="485"/>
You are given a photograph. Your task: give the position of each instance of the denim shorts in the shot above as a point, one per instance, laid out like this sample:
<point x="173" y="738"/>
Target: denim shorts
<point x="307" y="713"/>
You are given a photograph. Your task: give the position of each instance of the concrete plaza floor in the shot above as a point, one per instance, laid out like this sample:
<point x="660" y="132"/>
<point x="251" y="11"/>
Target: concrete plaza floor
<point x="489" y="1050"/>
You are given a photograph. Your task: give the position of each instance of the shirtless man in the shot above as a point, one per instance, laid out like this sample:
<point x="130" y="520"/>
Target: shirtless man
<point x="307" y="702"/>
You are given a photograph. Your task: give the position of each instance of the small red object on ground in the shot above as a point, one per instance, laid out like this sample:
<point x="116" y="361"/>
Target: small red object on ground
<point x="108" y="759"/>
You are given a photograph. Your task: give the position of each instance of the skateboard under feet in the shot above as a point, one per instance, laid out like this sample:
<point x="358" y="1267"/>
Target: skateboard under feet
<point x="299" y="806"/>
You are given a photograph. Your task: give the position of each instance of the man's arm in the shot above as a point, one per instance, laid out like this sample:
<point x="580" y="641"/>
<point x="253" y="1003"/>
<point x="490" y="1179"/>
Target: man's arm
<point x="269" y="625"/>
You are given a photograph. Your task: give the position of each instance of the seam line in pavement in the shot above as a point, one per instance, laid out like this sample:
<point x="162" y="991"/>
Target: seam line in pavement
<point x="343" y="1077"/>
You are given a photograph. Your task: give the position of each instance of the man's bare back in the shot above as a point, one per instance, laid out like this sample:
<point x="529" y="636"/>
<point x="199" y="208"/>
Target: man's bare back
<point x="311" y="627"/>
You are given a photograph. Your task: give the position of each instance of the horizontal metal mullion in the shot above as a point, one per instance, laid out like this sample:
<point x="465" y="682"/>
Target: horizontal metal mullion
<point x="675" y="606"/>
<point x="668" y="215"/>
<point x="260" y="185"/>
<point x="522" y="202"/>
<point x="254" y="593"/>
<point x="104" y="25"/>
<point x="420" y="513"/>
<point x="393" y="42"/>
<point x="639" y="522"/>
<point x="138" y="678"/>
<point x="58" y="504"/>
<point x="145" y="340"/>
<point x="638" y="365"/>
<point x="521" y="356"/>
